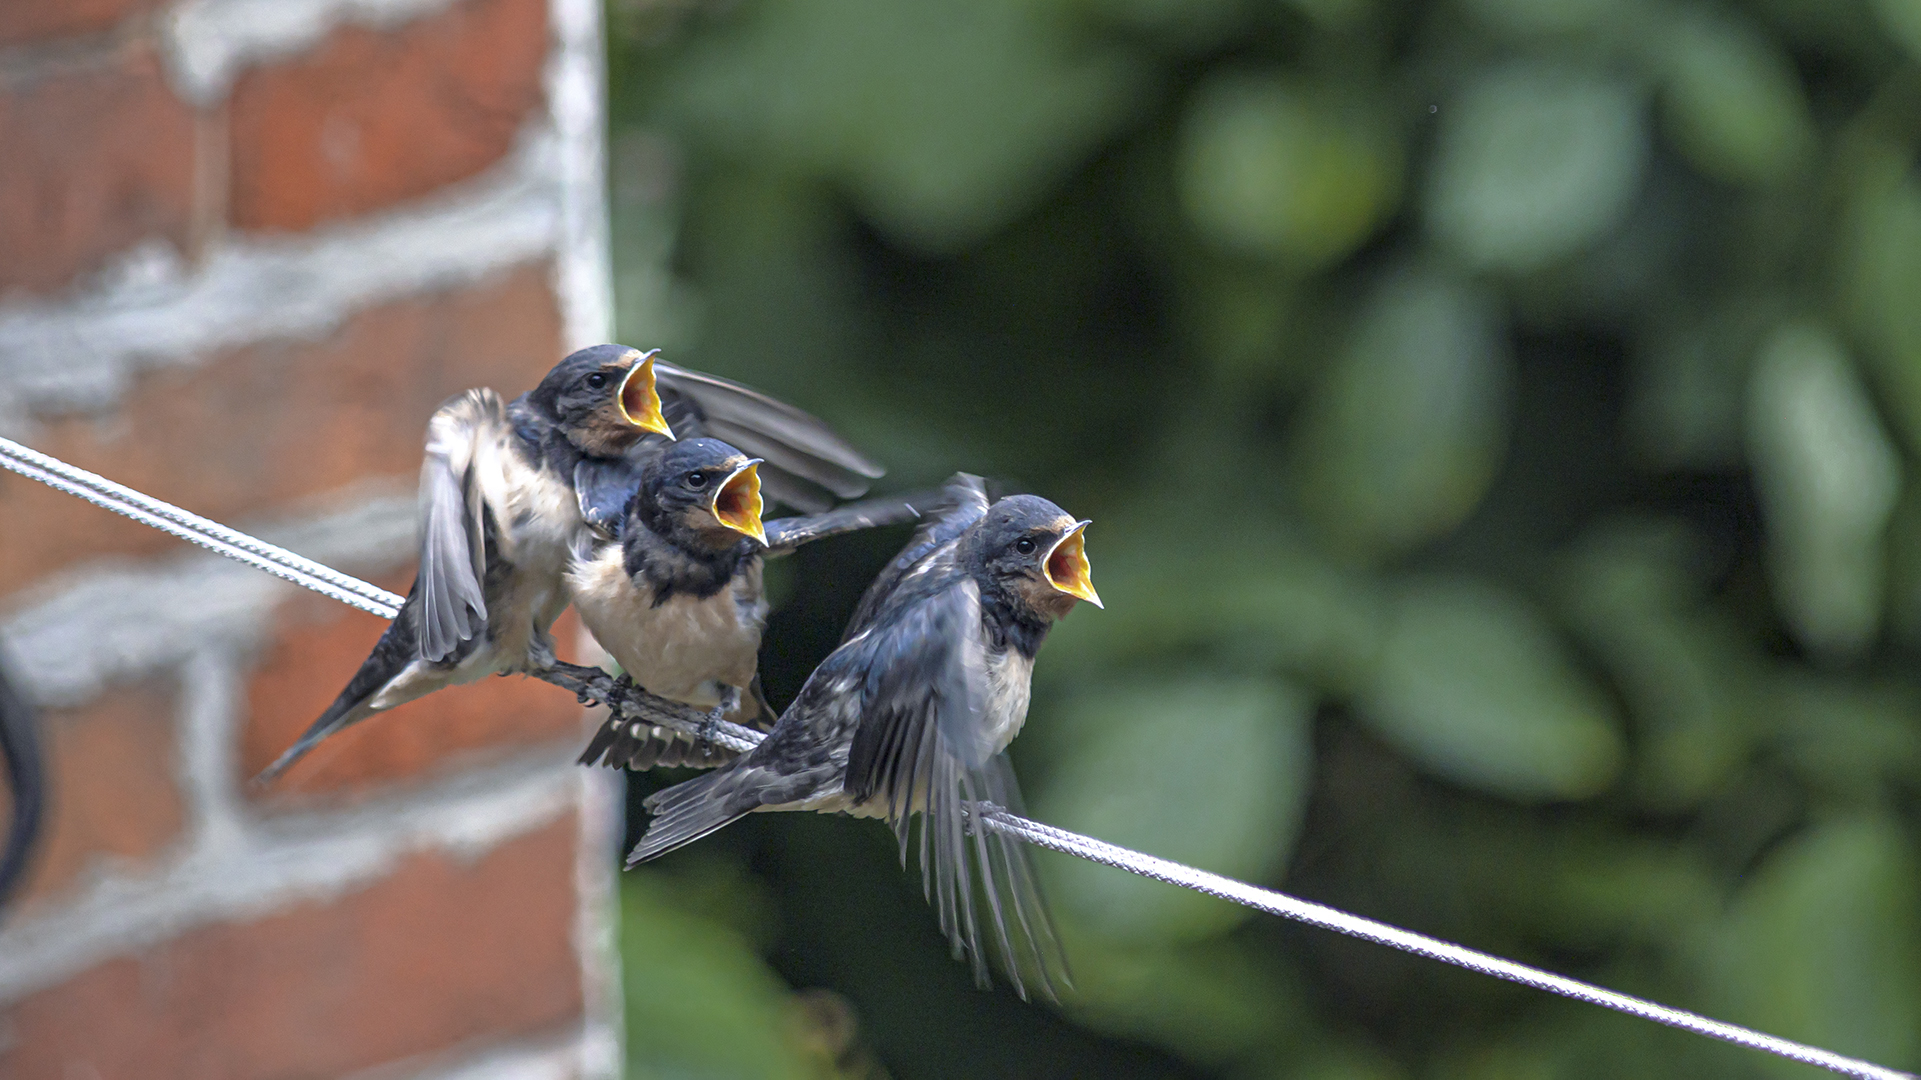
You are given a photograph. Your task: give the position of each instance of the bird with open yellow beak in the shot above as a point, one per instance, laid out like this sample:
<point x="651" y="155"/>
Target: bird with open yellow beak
<point x="510" y="490"/>
<point x="911" y="715"/>
<point x="676" y="600"/>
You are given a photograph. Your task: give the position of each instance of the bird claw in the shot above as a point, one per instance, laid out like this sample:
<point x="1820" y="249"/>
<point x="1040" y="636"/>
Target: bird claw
<point x="710" y="728"/>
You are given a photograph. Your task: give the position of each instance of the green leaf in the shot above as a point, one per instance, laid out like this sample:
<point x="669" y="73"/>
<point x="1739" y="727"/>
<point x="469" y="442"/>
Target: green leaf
<point x="1902" y="19"/>
<point x="1473" y="686"/>
<point x="1732" y="101"/>
<point x="1246" y="597"/>
<point x="946" y="118"/>
<point x="1327" y="1059"/>
<point x="1820" y="946"/>
<point x="1691" y="378"/>
<point x="1685" y="674"/>
<point x="1828" y="480"/>
<point x="1402" y="438"/>
<point x="1534" y="163"/>
<point x="1881" y="277"/>
<point x="1211" y="772"/>
<point x="1530" y="18"/>
<point x="1271" y="170"/>
<point x="1184" y="24"/>
<point x="1209" y="1001"/>
<point x="700" y="1001"/>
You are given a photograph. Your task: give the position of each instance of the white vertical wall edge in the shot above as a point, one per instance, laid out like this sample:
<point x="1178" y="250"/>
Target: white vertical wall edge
<point x="576" y="93"/>
<point x="583" y="279"/>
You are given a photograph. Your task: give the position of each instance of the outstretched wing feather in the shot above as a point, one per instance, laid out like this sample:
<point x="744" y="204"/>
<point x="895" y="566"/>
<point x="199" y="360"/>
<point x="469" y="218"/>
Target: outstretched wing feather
<point x="453" y="519"/>
<point x="790" y="440"/>
<point x="922" y="747"/>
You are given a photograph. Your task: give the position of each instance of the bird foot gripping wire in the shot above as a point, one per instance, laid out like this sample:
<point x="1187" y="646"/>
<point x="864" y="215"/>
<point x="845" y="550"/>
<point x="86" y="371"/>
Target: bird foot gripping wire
<point x="978" y="817"/>
<point x="594" y="686"/>
<point x="717" y="715"/>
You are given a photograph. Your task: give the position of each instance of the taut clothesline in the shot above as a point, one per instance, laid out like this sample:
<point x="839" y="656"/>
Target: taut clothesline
<point x="596" y="685"/>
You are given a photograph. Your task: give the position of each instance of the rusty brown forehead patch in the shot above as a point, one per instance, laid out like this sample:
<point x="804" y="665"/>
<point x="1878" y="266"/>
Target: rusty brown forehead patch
<point x="1061" y="524"/>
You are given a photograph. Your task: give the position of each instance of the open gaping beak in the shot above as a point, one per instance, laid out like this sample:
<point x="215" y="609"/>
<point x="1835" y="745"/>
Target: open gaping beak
<point x="640" y="402"/>
<point x="1066" y="566"/>
<point x="737" y="502"/>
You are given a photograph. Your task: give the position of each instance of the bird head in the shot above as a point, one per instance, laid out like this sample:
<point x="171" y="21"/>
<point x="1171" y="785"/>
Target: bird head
<point x="603" y="398"/>
<point x="703" y="493"/>
<point x="1034" y="553"/>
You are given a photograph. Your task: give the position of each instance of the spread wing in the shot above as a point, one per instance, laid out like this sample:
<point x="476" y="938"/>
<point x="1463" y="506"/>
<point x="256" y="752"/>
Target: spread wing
<point x="786" y="534"/>
<point x="464" y="440"/>
<point x="922" y="747"/>
<point x="963" y="501"/>
<point x="925" y="671"/>
<point x="808" y="466"/>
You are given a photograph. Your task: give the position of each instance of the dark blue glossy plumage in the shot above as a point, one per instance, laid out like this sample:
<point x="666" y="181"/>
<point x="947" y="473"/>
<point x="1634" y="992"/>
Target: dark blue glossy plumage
<point x="909" y="717"/>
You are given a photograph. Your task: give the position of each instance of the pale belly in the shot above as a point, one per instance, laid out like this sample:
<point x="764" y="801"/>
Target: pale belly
<point x="688" y="649"/>
<point x="538" y="523"/>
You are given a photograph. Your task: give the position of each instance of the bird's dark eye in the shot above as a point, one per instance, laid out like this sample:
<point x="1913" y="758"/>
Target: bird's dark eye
<point x="697" y="480"/>
<point x="597" y="380"/>
<point x="1025" y="545"/>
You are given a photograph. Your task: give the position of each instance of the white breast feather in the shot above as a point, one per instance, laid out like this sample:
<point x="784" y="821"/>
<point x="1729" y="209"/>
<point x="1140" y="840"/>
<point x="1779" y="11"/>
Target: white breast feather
<point x="688" y="649"/>
<point x="1010" y="681"/>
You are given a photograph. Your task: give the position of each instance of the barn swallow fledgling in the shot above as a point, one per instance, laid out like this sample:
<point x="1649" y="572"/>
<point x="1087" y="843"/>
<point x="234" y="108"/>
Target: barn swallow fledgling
<point x="677" y="600"/>
<point x="911" y="713"/>
<point x="498" y="519"/>
<point x="503" y="507"/>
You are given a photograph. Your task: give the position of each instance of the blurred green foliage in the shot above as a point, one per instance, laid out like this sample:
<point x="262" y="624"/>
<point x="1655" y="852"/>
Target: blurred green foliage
<point x="1499" y="419"/>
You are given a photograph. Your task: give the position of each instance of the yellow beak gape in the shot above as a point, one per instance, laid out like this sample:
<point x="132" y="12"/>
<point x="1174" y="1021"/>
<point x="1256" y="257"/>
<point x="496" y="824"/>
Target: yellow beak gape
<point x="1066" y="566"/>
<point x="640" y="402"/>
<point x="737" y="503"/>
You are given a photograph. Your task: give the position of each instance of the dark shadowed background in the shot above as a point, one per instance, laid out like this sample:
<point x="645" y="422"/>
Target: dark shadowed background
<point x="1498" y="419"/>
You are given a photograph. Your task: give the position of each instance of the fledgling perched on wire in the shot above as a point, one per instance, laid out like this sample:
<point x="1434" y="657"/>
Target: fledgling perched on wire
<point x="677" y="600"/>
<point x="509" y="490"/>
<point x="911" y="713"/>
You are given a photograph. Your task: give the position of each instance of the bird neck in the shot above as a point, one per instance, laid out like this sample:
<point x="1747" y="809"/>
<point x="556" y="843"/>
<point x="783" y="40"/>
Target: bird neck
<point x="541" y="438"/>
<point x="674" y="566"/>
<point x="1012" y="624"/>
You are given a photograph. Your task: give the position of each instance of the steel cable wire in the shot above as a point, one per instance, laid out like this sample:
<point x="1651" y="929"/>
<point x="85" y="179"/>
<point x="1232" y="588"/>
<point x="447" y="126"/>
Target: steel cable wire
<point x="596" y="685"/>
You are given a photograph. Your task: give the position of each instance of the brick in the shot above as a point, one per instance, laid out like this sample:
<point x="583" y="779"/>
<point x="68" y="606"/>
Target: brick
<point x="438" y="953"/>
<point x="95" y="160"/>
<point x="36" y="20"/>
<point x="263" y="426"/>
<point x="318" y="647"/>
<point x="372" y="118"/>
<point x="111" y="767"/>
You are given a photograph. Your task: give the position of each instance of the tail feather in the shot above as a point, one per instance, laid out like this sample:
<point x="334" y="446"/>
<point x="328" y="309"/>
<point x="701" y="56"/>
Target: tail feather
<point x="345" y="711"/>
<point x="963" y="864"/>
<point x="637" y="746"/>
<point x="391" y="658"/>
<point x="686" y="812"/>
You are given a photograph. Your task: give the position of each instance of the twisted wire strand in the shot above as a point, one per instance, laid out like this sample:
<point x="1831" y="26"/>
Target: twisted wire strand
<point x="997" y="819"/>
<point x="193" y="528"/>
<point x="626" y="700"/>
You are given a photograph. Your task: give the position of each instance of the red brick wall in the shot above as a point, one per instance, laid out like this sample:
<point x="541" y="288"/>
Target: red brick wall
<point x="186" y="248"/>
